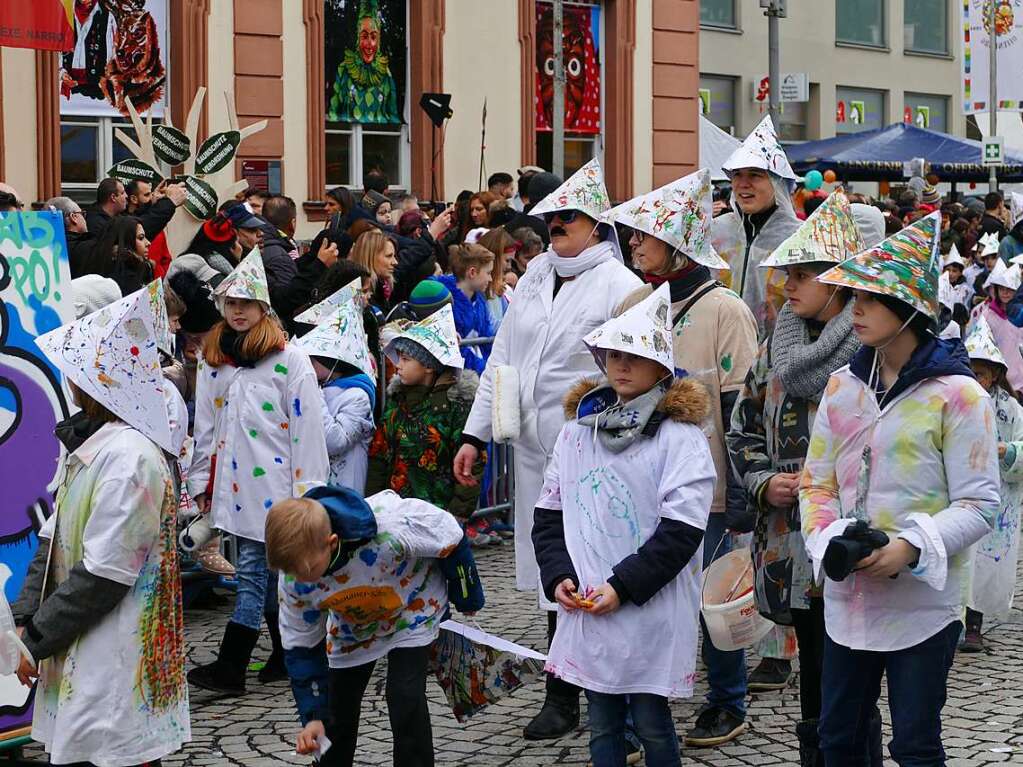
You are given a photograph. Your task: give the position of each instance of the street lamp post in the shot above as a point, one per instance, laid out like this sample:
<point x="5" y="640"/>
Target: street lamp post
<point x="992" y="37"/>
<point x="558" y="110"/>
<point x="773" y="10"/>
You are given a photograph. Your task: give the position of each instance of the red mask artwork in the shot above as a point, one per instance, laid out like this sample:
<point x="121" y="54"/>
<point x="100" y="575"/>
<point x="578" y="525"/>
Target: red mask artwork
<point x="582" y="69"/>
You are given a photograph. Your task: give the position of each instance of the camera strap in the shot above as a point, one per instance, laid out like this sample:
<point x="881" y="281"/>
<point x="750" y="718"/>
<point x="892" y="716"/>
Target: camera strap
<point x="863" y="486"/>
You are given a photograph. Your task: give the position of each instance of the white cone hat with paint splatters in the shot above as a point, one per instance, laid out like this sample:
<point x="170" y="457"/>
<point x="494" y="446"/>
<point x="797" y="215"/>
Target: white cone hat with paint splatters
<point x="341" y="336"/>
<point x="980" y="344"/>
<point x="317" y="313"/>
<point x="643" y="330"/>
<point x="437" y="335"/>
<point x="248" y="280"/>
<point x="111" y="355"/>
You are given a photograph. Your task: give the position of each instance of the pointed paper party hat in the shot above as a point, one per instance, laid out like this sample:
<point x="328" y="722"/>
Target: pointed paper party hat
<point x="111" y="355"/>
<point x="829" y="235"/>
<point x="1015" y="208"/>
<point x="584" y="191"/>
<point x="953" y="257"/>
<point x="248" y="280"/>
<point x="988" y="244"/>
<point x="161" y="322"/>
<point x="341" y="336"/>
<point x="1003" y="276"/>
<point x="643" y="330"/>
<point x="761" y="149"/>
<point x="904" y="266"/>
<point x="315" y="314"/>
<point x="437" y="335"/>
<point x="945" y="295"/>
<point x="678" y="213"/>
<point x="980" y="343"/>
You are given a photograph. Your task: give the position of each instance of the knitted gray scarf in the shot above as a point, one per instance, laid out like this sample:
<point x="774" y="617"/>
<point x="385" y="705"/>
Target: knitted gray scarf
<point x="804" y="366"/>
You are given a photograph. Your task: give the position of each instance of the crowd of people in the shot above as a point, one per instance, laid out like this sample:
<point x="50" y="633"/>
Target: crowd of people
<point x="826" y="381"/>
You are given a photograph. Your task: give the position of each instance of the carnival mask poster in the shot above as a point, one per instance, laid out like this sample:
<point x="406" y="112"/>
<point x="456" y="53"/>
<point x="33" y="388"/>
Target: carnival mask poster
<point x="365" y="54"/>
<point x="120" y="51"/>
<point x="581" y="45"/>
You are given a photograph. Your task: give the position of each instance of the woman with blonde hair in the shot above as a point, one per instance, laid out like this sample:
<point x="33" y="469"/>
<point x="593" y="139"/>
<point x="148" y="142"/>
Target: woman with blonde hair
<point x="504" y="247"/>
<point x="395" y="264"/>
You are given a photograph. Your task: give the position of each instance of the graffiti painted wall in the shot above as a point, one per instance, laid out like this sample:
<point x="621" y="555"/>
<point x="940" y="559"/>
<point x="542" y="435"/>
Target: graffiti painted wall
<point x="35" y="297"/>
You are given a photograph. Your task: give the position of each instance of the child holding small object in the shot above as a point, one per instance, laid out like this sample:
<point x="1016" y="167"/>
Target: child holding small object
<point x="618" y="532"/>
<point x="363" y="579"/>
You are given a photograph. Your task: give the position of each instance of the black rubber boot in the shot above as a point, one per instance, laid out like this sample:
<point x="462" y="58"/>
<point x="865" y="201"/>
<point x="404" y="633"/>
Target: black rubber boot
<point x="274" y="670"/>
<point x="560" y="712"/>
<point x="876" y="748"/>
<point x="226" y="674"/>
<point x="809" y="744"/>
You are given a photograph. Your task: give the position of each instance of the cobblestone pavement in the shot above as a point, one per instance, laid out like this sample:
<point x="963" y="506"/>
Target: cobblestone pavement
<point x="983" y="717"/>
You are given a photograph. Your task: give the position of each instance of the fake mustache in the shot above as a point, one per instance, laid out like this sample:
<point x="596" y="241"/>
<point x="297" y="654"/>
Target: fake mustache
<point x="559" y="231"/>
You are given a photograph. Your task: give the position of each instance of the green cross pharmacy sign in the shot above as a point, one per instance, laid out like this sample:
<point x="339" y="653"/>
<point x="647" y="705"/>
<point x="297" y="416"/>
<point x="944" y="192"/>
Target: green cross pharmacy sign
<point x="993" y="150"/>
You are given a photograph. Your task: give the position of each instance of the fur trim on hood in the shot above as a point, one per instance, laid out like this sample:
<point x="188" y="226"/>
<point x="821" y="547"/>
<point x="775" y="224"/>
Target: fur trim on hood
<point x="462" y="389"/>
<point x="687" y="401"/>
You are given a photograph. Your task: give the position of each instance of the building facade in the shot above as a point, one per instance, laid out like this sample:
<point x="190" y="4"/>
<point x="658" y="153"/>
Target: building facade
<point x="869" y="63"/>
<point x="303" y="65"/>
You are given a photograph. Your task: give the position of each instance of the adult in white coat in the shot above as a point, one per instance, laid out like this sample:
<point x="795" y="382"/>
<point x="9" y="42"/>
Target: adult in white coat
<point x="567" y="292"/>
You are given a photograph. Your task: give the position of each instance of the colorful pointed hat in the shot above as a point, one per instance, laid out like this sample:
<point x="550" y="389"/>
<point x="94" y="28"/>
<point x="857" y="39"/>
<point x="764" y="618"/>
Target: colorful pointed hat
<point x="315" y="314"/>
<point x="341" y="336"/>
<point x="904" y="266"/>
<point x="1015" y="208"/>
<point x="1003" y="276"/>
<point x="111" y="355"/>
<point x="829" y="235"/>
<point x="953" y="257"/>
<point x="437" y="335"/>
<point x="761" y="149"/>
<point x="584" y="191"/>
<point x="158" y="305"/>
<point x="678" y="213"/>
<point x="248" y="280"/>
<point x="980" y="343"/>
<point x="989" y="244"/>
<point x="643" y="330"/>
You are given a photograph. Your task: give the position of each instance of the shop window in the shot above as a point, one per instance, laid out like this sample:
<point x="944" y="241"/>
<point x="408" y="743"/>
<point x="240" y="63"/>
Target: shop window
<point x="859" y="109"/>
<point x="926" y="111"/>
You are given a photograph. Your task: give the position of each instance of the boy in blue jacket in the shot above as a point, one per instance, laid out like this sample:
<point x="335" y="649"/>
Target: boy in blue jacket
<point x="361" y="579"/>
<point x="473" y="268"/>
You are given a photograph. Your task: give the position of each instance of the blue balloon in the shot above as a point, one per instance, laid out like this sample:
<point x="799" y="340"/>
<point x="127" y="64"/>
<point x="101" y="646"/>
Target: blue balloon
<point x="813" y="180"/>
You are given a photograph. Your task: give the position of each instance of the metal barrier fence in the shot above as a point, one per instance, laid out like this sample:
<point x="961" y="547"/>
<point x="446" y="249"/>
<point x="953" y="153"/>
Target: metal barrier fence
<point x="498" y="497"/>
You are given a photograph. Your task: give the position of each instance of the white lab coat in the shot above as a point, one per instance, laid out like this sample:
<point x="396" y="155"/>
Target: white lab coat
<point x="265" y="425"/>
<point x="541" y="336"/>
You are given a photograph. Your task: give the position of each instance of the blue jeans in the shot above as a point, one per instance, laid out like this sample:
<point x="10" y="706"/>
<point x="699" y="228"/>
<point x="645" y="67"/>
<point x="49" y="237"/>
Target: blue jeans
<point x="726" y="670"/>
<point x="851" y="685"/>
<point x="651" y="718"/>
<point x="257" y="585"/>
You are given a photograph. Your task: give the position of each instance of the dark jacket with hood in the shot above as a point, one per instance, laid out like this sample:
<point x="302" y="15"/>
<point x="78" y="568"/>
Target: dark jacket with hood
<point x="660" y="559"/>
<point x="932" y="358"/>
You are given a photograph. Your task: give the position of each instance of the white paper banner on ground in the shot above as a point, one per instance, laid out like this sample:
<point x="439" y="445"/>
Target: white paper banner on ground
<point x="976" y="54"/>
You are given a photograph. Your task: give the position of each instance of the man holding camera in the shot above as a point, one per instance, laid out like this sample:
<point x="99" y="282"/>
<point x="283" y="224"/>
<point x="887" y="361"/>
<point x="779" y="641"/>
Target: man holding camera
<point x="901" y="478"/>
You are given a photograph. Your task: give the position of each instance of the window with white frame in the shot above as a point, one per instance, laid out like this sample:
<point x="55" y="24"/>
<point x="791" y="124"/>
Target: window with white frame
<point x="367" y="113"/>
<point x="88" y="148"/>
<point x="583" y="46"/>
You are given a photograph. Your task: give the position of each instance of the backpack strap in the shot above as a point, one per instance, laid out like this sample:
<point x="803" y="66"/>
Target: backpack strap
<point x="692" y="302"/>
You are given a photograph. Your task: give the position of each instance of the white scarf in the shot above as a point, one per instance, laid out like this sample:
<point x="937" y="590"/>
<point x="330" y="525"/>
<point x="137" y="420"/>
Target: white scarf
<point x="589" y="258"/>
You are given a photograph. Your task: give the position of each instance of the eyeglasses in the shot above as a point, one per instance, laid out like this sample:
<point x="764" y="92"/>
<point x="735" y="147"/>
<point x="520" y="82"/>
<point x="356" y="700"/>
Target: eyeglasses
<point x="565" y="216"/>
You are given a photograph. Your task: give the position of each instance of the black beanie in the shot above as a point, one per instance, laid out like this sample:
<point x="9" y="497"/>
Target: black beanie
<point x="921" y="324"/>
<point x="201" y="312"/>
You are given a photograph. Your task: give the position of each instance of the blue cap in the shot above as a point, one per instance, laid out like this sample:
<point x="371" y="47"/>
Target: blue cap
<point x="241" y="217"/>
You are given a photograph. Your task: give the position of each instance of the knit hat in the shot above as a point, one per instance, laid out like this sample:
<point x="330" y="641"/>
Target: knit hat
<point x="316" y="313"/>
<point x="341" y="336"/>
<point x="248" y="280"/>
<point x="1003" y="276"/>
<point x="429" y="296"/>
<point x="437" y="336"/>
<point x="409" y="348"/>
<point x="373" y="200"/>
<point x="644" y="330"/>
<point x="828" y="235"/>
<point x="678" y="214"/>
<point x="219" y="229"/>
<point x="1015" y="208"/>
<point x="762" y="150"/>
<point x="953" y="257"/>
<point x="980" y="343"/>
<point x="541" y="185"/>
<point x="201" y="312"/>
<point x="92" y="292"/>
<point x="904" y="267"/>
<point x="111" y="355"/>
<point x="196" y="264"/>
<point x="584" y="191"/>
<point x="930" y="196"/>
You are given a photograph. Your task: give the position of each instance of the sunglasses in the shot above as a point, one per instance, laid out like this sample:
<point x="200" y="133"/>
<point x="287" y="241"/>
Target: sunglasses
<point x="564" y="216"/>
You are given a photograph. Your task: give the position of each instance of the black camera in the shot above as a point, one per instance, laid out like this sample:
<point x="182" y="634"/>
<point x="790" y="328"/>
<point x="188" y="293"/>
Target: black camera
<point x="846" y="550"/>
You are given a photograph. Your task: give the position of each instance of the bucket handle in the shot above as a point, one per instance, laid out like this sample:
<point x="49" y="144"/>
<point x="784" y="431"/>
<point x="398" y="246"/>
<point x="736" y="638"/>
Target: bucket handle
<point x="731" y="591"/>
